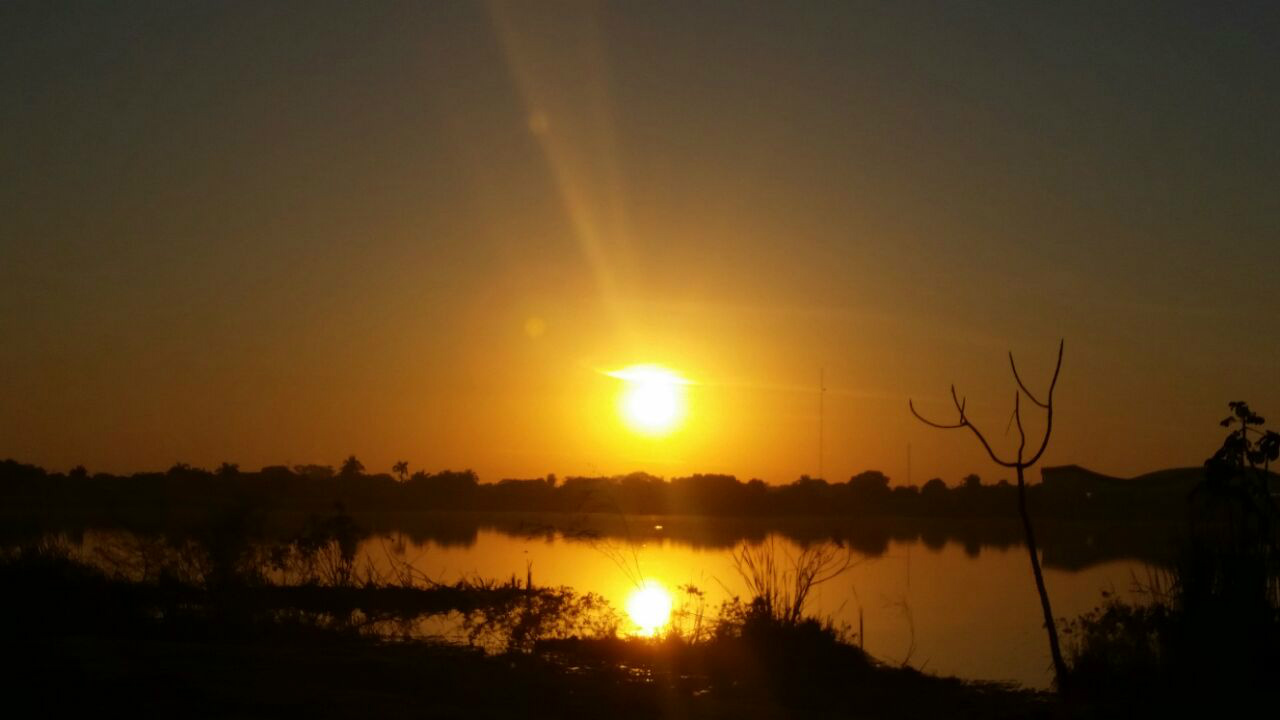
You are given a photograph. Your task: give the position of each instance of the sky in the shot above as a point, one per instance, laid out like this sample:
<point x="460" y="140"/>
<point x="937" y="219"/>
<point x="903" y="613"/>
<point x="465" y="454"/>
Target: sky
<point x="283" y="233"/>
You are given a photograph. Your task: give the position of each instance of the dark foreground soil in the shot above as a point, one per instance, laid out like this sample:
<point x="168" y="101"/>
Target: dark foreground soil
<point x="106" y="676"/>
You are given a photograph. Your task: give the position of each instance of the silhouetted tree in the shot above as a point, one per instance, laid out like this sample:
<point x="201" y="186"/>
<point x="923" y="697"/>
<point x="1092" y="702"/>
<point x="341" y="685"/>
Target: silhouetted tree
<point x="351" y="467"/>
<point x="78" y="473"/>
<point x="971" y="482"/>
<point x="870" y="480"/>
<point x="1019" y="464"/>
<point x="315" y="472"/>
<point x="445" y="489"/>
<point x="228" y="469"/>
<point x="867" y="491"/>
<point x="1237" y="534"/>
<point x="1213" y="628"/>
<point x="935" y="487"/>
<point x="1241" y="467"/>
<point x="277" y="472"/>
<point x="401" y="469"/>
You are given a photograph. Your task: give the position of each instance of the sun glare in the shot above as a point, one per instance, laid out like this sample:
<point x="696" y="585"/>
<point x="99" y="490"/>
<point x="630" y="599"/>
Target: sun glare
<point x="652" y="401"/>
<point x="649" y="608"/>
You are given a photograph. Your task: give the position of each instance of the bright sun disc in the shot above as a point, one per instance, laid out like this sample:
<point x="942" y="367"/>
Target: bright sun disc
<point x="653" y="400"/>
<point x="649" y="608"/>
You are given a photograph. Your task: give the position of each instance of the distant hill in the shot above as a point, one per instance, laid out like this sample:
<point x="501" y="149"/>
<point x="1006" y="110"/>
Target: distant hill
<point x="1080" y="479"/>
<point x="1072" y="488"/>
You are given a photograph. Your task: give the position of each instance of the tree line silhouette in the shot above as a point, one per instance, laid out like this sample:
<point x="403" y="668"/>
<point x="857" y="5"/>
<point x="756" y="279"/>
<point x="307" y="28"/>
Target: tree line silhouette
<point x="318" y="487"/>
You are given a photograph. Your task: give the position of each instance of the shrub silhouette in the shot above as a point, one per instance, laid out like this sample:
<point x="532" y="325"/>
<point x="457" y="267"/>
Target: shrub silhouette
<point x="1210" y="631"/>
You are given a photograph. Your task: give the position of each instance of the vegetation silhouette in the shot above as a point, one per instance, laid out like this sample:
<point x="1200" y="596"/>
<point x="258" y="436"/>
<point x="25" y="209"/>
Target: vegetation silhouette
<point x="314" y="488"/>
<point x="970" y="519"/>
<point x="201" y="640"/>
<point x="256" y="574"/>
<point x="1076" y="511"/>
<point x="780" y="593"/>
<point x="1208" y="635"/>
<point x="1019" y="464"/>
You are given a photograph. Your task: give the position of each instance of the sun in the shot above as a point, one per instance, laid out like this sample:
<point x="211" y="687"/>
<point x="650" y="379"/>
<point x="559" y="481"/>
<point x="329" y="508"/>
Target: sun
<point x="649" y="608"/>
<point x="653" y="399"/>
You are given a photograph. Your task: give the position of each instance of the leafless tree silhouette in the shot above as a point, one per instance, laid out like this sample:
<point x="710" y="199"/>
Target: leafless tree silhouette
<point x="1020" y="463"/>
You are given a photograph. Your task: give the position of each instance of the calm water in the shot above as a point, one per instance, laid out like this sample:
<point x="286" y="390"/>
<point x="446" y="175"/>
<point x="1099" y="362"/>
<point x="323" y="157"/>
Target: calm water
<point x="943" y="607"/>
<point x="952" y="601"/>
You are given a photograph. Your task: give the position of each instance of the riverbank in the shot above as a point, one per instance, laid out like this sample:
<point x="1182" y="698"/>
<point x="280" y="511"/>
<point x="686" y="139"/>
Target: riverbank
<point x="85" y="641"/>
<point x="336" y="677"/>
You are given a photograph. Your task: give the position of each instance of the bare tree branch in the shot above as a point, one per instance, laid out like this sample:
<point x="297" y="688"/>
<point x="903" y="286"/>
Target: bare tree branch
<point x="1020" y="465"/>
<point x="994" y="458"/>
<point x="958" y="402"/>
<point x="1023" y="386"/>
<point x="1017" y="418"/>
<point x="930" y="423"/>
<point x="963" y="423"/>
<point x="1048" y="427"/>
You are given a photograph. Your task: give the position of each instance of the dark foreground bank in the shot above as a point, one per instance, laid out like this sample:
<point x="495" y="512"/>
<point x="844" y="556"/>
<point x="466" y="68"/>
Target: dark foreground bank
<point x="330" y="678"/>
<point x="80" y="640"/>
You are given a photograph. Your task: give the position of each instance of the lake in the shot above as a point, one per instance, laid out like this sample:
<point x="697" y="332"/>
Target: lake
<point x="946" y="596"/>
<point x="942" y="601"/>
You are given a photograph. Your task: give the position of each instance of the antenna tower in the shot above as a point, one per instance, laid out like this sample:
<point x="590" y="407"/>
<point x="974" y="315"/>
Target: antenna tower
<point x="822" y="391"/>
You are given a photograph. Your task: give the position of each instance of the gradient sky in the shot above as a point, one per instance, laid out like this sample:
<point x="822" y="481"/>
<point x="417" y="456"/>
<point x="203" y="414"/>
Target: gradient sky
<point x="271" y="233"/>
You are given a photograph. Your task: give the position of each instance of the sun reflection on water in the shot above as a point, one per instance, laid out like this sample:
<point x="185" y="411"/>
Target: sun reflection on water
<point x="649" y="607"/>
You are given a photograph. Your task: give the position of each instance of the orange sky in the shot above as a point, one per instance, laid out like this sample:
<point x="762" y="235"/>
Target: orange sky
<point x="240" y="234"/>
